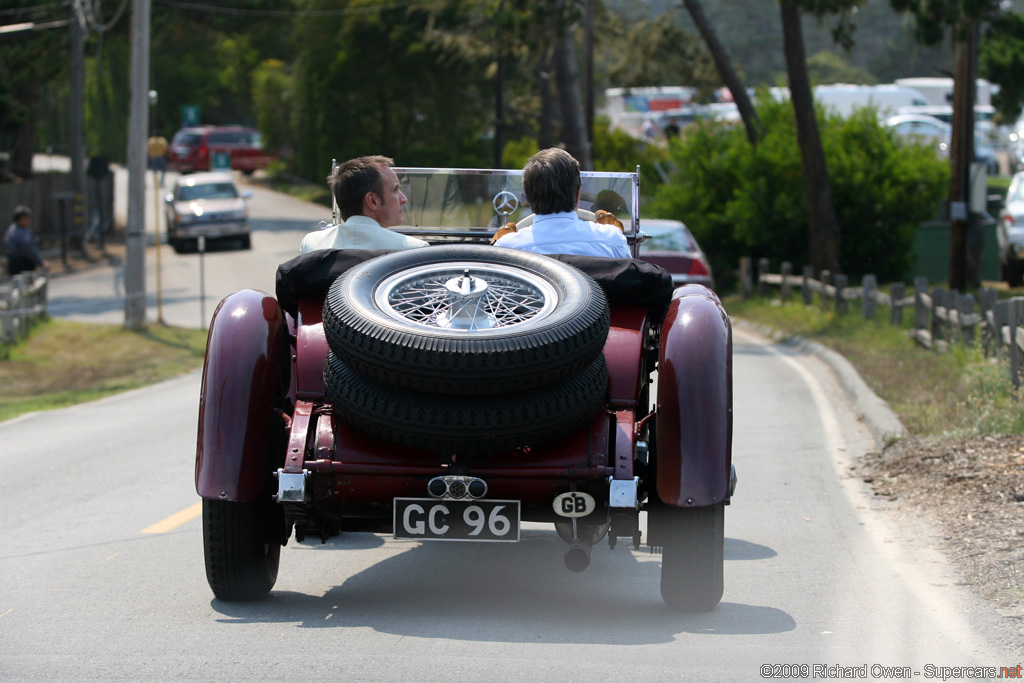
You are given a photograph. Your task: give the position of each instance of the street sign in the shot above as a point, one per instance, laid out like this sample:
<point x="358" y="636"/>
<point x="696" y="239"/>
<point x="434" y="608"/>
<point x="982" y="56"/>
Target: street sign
<point x="220" y="161"/>
<point x="189" y="115"/>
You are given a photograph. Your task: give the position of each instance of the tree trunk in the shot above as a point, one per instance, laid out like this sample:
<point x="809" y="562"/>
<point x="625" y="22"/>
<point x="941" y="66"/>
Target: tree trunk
<point x="823" y="228"/>
<point x="573" y="120"/>
<point x="725" y="69"/>
<point x="24" y="146"/>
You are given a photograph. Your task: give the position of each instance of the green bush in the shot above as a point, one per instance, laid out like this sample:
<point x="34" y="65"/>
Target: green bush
<point x="749" y="201"/>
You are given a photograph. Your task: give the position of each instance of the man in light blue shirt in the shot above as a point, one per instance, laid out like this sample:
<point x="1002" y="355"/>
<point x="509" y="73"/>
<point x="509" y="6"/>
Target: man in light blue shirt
<point x="552" y="185"/>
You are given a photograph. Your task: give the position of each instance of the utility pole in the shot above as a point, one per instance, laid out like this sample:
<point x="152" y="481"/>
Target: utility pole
<point x="76" y="137"/>
<point x="588" y="72"/>
<point x="135" y="262"/>
<point x="962" y="154"/>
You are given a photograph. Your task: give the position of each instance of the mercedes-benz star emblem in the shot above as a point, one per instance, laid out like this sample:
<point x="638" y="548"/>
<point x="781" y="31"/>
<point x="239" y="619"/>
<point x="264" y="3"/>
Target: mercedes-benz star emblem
<point x="505" y="203"/>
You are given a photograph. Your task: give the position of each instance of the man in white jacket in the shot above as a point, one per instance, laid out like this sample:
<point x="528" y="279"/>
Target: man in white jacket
<point x="370" y="199"/>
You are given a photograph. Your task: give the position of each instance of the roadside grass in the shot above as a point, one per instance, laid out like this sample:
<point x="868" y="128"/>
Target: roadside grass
<point x="960" y="392"/>
<point x="63" y="363"/>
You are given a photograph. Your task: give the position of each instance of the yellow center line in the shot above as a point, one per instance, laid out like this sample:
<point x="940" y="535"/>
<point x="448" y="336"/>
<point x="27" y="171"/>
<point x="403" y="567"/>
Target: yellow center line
<point x="175" y="520"/>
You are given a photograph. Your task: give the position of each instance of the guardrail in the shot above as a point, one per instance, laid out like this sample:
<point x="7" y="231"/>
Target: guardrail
<point x="941" y="316"/>
<point x="22" y="302"/>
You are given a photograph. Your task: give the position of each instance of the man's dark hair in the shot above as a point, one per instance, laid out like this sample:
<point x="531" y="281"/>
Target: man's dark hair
<point x="551" y="179"/>
<point x="354" y="179"/>
<point x="20" y="211"/>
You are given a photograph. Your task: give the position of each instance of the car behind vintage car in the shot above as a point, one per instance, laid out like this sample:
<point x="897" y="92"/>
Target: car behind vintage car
<point x="453" y="392"/>
<point x="671" y="245"/>
<point x="207" y="205"/>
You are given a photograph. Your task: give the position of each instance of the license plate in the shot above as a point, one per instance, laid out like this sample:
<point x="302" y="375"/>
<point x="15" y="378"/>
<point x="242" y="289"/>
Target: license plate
<point x="430" y="519"/>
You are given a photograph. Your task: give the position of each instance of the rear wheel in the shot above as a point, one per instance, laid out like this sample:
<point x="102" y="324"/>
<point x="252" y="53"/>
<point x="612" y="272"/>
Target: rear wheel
<point x="691" y="558"/>
<point x="242" y="556"/>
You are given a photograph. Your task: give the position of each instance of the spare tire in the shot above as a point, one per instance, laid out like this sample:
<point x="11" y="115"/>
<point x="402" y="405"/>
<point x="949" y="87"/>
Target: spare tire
<point x="466" y="319"/>
<point x="469" y="424"/>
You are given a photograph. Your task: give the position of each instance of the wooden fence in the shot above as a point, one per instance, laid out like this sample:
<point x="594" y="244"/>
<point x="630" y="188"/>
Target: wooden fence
<point x="941" y="316"/>
<point x="22" y="302"/>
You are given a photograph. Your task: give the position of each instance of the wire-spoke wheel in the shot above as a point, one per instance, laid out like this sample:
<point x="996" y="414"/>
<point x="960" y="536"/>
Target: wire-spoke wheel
<point x="466" y="319"/>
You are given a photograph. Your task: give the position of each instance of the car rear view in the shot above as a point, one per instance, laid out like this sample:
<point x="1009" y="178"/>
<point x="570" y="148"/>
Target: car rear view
<point x="217" y="147"/>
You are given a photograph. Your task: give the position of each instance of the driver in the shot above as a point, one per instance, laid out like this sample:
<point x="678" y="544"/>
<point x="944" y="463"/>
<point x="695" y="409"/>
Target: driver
<point x="370" y="199"/>
<point x="553" y="186"/>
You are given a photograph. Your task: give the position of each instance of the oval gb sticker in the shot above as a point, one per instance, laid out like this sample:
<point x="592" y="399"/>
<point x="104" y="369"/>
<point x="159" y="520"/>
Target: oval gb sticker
<point x="574" y="504"/>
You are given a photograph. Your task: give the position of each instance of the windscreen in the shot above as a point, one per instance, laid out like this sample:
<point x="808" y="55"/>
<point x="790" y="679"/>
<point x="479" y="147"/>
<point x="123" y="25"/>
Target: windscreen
<point x="443" y="201"/>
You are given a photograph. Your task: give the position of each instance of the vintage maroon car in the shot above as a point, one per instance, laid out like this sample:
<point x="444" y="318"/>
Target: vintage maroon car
<point x="455" y="391"/>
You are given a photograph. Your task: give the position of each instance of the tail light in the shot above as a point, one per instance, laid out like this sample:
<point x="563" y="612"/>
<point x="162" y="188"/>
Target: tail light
<point x="203" y="151"/>
<point x="697" y="267"/>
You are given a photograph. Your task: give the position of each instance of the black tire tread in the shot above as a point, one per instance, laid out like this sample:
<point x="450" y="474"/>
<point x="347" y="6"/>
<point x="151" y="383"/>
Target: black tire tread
<point x="472" y="424"/>
<point x="240" y="562"/>
<point x="692" y="556"/>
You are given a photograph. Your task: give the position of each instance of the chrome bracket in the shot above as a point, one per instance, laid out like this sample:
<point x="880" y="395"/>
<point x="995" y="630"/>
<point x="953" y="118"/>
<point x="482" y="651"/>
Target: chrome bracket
<point x="291" y="486"/>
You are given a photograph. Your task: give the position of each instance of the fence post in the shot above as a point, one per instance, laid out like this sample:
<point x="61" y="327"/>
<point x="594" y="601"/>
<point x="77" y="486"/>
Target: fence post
<point x="896" y="294"/>
<point x="826" y="280"/>
<point x="987" y="299"/>
<point x="965" y="306"/>
<point x="870" y="286"/>
<point x="762" y="269"/>
<point x="840" y="281"/>
<point x="787" y="270"/>
<point x="938" y="301"/>
<point x="805" y="286"/>
<point x="1016" y="317"/>
<point x="920" y="310"/>
<point x="745" y="276"/>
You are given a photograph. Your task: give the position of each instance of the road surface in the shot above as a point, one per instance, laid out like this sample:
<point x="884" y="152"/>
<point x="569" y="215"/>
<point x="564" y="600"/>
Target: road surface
<point x="102" y="565"/>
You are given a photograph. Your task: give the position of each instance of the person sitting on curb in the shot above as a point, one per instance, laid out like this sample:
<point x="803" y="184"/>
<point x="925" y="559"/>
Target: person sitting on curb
<point x="553" y="187"/>
<point x="23" y="253"/>
<point x="370" y="199"/>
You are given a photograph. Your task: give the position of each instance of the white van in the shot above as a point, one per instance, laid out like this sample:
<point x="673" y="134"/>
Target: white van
<point x="888" y="99"/>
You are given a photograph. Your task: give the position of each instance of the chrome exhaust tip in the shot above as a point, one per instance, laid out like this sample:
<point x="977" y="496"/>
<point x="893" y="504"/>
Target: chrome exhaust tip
<point x="577" y="557"/>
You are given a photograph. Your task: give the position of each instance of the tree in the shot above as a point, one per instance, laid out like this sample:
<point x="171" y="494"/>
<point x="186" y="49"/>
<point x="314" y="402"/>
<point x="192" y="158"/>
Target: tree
<point x="1002" y="62"/>
<point x="823" y="227"/>
<point x="726" y="70"/>
<point x="656" y="52"/>
<point x="29" y="60"/>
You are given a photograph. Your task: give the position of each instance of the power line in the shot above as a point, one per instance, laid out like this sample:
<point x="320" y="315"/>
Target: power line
<point x="35" y="8"/>
<point x="239" y="11"/>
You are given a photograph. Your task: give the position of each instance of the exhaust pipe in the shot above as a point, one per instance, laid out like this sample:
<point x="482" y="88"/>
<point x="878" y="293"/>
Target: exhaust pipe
<point x="577" y="557"/>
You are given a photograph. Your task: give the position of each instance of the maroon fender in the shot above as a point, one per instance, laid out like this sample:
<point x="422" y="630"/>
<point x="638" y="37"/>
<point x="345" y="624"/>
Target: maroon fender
<point x="244" y="351"/>
<point x="694" y="422"/>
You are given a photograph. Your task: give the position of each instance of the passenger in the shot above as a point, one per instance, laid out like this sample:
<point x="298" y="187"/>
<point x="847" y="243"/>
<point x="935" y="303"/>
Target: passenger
<point x="553" y="186"/>
<point x="370" y="200"/>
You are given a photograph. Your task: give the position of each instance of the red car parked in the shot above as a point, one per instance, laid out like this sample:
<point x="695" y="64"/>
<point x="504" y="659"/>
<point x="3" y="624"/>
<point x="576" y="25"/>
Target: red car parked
<point x="193" y="149"/>
<point x="671" y="245"/>
<point x="450" y="393"/>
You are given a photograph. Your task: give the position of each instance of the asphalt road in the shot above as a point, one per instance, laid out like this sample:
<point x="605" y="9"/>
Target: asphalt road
<point x="102" y="565"/>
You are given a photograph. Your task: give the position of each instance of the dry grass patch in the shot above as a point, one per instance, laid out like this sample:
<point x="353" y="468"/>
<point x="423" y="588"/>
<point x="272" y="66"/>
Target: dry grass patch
<point x="63" y="363"/>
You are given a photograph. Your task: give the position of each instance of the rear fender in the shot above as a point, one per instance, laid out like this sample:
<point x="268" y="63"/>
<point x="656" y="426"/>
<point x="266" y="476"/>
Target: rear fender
<point x="694" y="419"/>
<point x="245" y="361"/>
